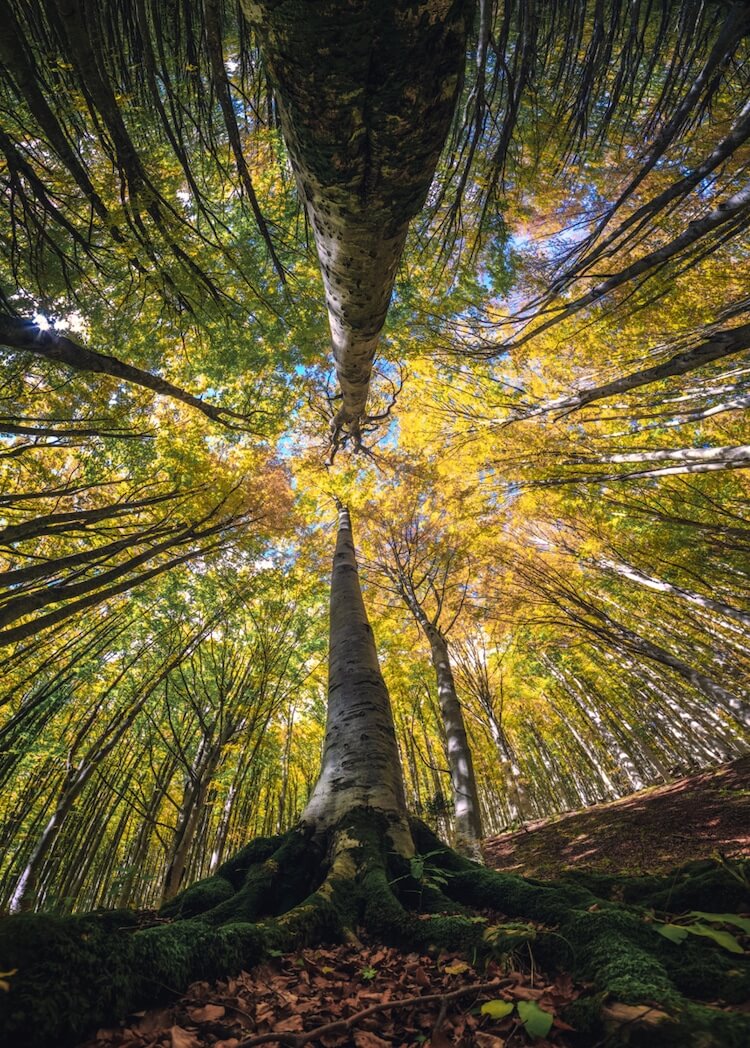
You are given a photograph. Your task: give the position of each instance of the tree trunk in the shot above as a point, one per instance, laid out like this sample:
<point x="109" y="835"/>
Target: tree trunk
<point x="366" y="93"/>
<point x="360" y="765"/>
<point x="193" y="801"/>
<point x="467" y="815"/>
<point x="24" y="894"/>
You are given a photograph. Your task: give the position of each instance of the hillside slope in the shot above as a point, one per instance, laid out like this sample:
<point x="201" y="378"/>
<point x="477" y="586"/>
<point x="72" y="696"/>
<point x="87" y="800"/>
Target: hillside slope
<point x="650" y="831"/>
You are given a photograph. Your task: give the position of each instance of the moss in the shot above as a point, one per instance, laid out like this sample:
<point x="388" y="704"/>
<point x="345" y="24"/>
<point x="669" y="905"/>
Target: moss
<point x="698" y="886"/>
<point x="614" y="961"/>
<point x="170" y="957"/>
<point x="274" y="885"/>
<point x="702" y="885"/>
<point x="707" y="973"/>
<point x="316" y="919"/>
<point x="258" y="850"/>
<point x="198" y="898"/>
<point x="615" y="949"/>
<point x="72" y="974"/>
<point x="229" y="878"/>
<point x="77" y="973"/>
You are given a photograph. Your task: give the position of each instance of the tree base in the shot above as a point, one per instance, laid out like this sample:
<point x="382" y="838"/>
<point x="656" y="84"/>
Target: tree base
<point x="77" y="973"/>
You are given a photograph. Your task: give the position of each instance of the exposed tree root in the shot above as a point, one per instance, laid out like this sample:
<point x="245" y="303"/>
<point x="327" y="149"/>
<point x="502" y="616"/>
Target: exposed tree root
<point x="281" y="893"/>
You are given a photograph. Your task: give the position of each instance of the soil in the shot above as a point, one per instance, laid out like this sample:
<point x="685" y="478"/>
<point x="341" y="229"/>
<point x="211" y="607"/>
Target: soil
<point x="651" y="831"/>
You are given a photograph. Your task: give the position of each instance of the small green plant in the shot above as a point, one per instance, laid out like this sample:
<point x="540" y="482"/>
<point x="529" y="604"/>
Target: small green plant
<point x="368" y="973"/>
<point x="428" y="874"/>
<point x="536" y="1021"/>
<point x="425" y="873"/>
<point x="504" y="938"/>
<point x="698" y="922"/>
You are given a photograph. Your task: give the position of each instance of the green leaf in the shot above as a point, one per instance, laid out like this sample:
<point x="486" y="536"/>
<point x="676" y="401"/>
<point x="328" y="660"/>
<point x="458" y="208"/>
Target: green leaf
<point x="724" y="918"/>
<point x="725" y="939"/>
<point x="673" y="932"/>
<point x="536" y="1021"/>
<point x="417" y="867"/>
<point x="497" y="1009"/>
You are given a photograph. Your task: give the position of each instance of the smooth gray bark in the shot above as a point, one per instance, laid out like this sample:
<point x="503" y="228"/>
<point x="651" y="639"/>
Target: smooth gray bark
<point x="360" y="764"/>
<point x="468" y="821"/>
<point x="662" y="586"/>
<point x="720" y="344"/>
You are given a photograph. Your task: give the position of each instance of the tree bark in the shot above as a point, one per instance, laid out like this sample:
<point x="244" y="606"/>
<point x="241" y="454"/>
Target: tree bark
<point x="360" y="766"/>
<point x="718" y="345"/>
<point x="366" y="93"/>
<point x="463" y="781"/>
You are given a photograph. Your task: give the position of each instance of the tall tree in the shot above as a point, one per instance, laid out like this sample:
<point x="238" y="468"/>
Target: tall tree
<point x="421" y="568"/>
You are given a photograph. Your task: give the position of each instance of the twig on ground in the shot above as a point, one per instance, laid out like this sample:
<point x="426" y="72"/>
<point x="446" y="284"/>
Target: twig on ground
<point x="296" y="1040"/>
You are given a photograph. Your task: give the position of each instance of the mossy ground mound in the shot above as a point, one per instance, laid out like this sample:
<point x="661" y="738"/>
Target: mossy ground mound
<point x="77" y="973"/>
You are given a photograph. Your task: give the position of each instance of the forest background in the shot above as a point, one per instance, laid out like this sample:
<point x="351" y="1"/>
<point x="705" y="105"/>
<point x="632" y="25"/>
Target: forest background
<point x="169" y="465"/>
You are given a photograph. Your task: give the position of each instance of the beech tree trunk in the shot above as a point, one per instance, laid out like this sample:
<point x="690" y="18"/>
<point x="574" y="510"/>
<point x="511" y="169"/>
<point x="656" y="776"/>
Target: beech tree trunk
<point x="361" y="767"/>
<point x="193" y="801"/>
<point x="366" y="93"/>
<point x="463" y="781"/>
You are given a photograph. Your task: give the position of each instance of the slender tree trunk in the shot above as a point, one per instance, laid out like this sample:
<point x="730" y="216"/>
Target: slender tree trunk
<point x="517" y="794"/>
<point x="187" y="823"/>
<point x="217" y="852"/>
<point x="468" y="820"/>
<point x="24" y="894"/>
<point x="285" y="767"/>
<point x="662" y="586"/>
<point x="138" y="851"/>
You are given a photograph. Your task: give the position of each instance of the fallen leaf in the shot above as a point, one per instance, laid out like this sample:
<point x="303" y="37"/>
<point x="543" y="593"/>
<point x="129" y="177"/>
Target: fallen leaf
<point x="457" y="968"/>
<point x="525" y="993"/>
<point x="152" y="1021"/>
<point x="560" y="1024"/>
<point x="537" y="1022"/>
<point x="4" y="976"/>
<point x="421" y="977"/>
<point x="563" y="984"/>
<point x="488" y="1040"/>
<point x="208" y="1013"/>
<point x="497" y="1009"/>
<point x="642" y="1014"/>
<point x="366" y="1039"/>
<point x="291" y="1025"/>
<point x="183" y="1038"/>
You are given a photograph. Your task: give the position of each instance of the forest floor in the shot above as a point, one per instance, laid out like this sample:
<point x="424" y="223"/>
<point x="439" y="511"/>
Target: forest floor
<point x="651" y="831"/>
<point x="361" y="995"/>
<point x="367" y="995"/>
